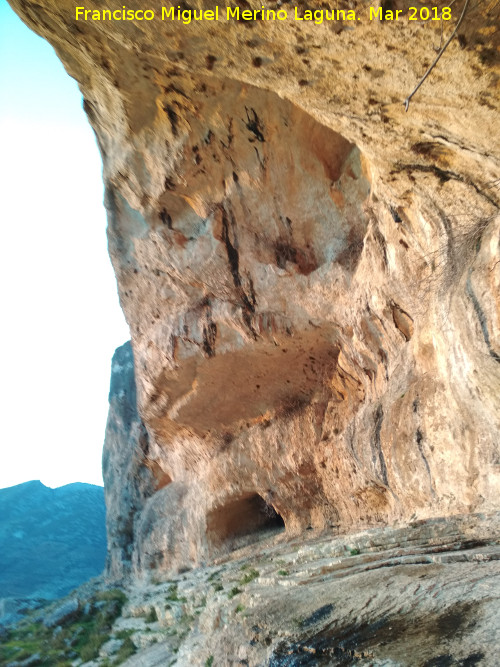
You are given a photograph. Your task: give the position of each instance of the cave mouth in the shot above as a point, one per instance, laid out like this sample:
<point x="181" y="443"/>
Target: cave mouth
<point x="242" y="521"/>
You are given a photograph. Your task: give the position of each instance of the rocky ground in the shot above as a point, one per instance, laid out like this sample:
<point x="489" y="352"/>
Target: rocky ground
<point x="422" y="595"/>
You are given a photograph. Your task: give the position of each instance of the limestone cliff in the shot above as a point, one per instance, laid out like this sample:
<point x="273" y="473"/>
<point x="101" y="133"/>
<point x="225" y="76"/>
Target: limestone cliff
<point x="128" y="482"/>
<point x="310" y="274"/>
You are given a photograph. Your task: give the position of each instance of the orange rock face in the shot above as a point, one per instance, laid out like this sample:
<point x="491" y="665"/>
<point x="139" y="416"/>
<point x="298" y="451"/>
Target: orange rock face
<point x="310" y="274"/>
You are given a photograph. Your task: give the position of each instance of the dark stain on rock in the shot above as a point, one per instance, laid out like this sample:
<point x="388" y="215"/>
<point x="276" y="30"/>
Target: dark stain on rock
<point x="377" y="453"/>
<point x="254" y="125"/>
<point x="174" y="89"/>
<point x="444" y="660"/>
<point x="402" y="321"/>
<point x="481" y="318"/>
<point x="472" y="660"/>
<point x="395" y="215"/>
<point x="209" y="337"/>
<point x="382" y="639"/>
<point x="173" y="118"/>
<point x="455" y="619"/>
<point x="285" y="252"/>
<point x="319" y="615"/>
<point x="196" y="153"/>
<point x="231" y="248"/>
<point x="166" y="218"/>
<point x="208" y="137"/>
<point x="419" y="438"/>
<point x="89" y="109"/>
<point x="169" y="184"/>
<point x="248" y="301"/>
<point x="380" y="239"/>
<point x="210" y="60"/>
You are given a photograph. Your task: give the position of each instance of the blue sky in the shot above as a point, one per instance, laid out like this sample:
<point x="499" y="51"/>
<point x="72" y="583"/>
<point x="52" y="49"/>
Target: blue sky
<point x="61" y="319"/>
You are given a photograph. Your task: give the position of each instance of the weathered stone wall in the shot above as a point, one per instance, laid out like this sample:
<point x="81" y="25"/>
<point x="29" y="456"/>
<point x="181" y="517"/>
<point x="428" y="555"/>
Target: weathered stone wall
<point x="310" y="274"/>
<point x="127" y="481"/>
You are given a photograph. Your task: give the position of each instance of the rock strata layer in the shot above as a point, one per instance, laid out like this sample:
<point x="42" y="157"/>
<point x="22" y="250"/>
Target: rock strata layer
<point x="421" y="595"/>
<point x="309" y="273"/>
<point x="424" y="595"/>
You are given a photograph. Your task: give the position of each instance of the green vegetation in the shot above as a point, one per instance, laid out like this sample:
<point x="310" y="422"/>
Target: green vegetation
<point x="249" y="576"/>
<point x="218" y="587"/>
<point x="126" y="650"/>
<point x="354" y="552"/>
<point x="234" y="591"/>
<point x="152" y="616"/>
<point x="283" y="573"/>
<point x="209" y="661"/>
<point x="184" y="626"/>
<point x="173" y="596"/>
<point x="84" y="634"/>
<point x="239" y="608"/>
<point x="93" y="630"/>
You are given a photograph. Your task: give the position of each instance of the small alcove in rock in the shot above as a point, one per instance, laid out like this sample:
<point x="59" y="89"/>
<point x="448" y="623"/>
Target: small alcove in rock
<point x="242" y="521"/>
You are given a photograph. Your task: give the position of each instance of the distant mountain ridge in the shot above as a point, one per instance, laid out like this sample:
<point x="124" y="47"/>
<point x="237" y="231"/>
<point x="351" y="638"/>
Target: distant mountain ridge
<point x="51" y="540"/>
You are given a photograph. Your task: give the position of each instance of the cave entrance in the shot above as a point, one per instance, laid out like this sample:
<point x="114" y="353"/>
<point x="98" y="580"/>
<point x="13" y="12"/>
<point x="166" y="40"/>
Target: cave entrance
<point x="242" y="521"/>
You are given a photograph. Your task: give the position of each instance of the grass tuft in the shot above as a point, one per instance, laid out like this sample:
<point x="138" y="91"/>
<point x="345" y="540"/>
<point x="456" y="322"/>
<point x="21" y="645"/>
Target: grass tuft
<point x="127" y="649"/>
<point x="152" y="616"/>
<point x="249" y="576"/>
<point x="233" y="592"/>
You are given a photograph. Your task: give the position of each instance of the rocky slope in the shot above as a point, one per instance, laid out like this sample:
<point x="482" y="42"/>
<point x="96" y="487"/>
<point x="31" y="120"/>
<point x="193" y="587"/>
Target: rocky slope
<point x="421" y="595"/>
<point x="51" y="540"/>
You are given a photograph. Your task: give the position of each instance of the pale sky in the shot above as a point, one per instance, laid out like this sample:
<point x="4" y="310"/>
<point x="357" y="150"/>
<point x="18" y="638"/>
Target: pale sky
<point x="60" y="317"/>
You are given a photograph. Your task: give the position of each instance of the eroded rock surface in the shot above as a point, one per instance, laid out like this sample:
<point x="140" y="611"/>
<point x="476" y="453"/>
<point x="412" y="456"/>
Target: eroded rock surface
<point x="421" y="595"/>
<point x="129" y="483"/>
<point x="310" y="274"/>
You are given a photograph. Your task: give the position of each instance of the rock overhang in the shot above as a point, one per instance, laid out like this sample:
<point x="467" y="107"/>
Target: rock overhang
<point x="267" y="193"/>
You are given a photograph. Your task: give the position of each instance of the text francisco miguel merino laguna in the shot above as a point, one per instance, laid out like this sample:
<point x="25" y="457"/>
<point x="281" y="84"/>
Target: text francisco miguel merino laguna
<point x="235" y="14"/>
